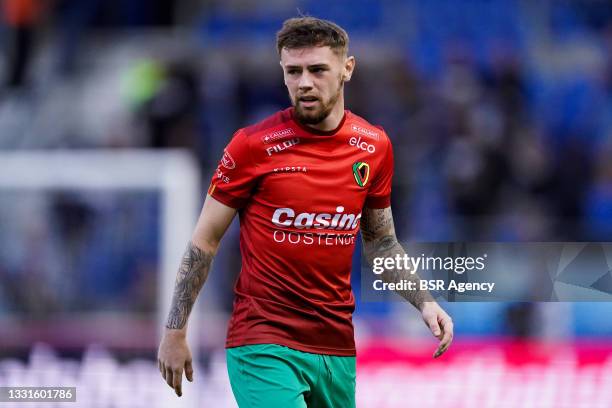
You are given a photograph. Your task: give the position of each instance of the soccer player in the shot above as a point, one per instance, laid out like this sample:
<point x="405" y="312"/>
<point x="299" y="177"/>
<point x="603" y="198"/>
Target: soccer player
<point x="303" y="181"/>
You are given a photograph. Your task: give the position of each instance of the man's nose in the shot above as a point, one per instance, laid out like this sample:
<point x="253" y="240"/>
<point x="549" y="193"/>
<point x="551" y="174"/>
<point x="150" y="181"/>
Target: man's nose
<point x="305" y="81"/>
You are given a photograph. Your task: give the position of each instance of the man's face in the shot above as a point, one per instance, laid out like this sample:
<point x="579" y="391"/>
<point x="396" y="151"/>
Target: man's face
<point x="314" y="77"/>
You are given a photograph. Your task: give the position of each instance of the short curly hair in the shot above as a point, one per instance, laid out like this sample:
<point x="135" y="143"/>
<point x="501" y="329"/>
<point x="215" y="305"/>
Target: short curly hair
<point x="301" y="32"/>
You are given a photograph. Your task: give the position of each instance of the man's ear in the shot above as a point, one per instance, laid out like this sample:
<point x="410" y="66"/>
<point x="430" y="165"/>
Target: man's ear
<point x="349" y="67"/>
<point x="283" y="69"/>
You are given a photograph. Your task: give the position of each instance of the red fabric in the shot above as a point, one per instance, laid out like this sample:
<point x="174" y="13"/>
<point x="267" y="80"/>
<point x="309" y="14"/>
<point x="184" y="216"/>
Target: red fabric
<point x="22" y="12"/>
<point x="300" y="205"/>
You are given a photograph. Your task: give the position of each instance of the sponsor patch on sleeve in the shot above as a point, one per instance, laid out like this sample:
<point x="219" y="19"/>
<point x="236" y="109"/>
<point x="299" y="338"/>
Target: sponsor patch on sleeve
<point x="365" y="132"/>
<point x="277" y="135"/>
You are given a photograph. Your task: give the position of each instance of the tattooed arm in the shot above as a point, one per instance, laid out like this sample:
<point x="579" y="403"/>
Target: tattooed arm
<point x="379" y="241"/>
<point x="191" y="276"/>
<point x="174" y="355"/>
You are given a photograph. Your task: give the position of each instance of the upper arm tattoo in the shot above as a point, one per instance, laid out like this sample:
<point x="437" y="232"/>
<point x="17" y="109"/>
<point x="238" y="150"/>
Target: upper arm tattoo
<point x="376" y="222"/>
<point x="377" y="232"/>
<point x="189" y="280"/>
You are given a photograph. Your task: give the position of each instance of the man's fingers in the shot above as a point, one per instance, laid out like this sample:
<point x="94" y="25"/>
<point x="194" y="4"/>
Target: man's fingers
<point x="189" y="370"/>
<point x="177" y="381"/>
<point x="174" y="377"/>
<point x="447" y="338"/>
<point x="168" y="377"/>
<point x="440" y="350"/>
<point x="447" y="326"/>
<point x="447" y="333"/>
<point x="162" y="368"/>
<point x="434" y="327"/>
<point x="444" y="345"/>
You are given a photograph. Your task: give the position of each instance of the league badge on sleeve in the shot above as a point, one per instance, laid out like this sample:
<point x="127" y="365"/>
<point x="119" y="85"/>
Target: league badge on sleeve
<point x="228" y="161"/>
<point x="361" y="172"/>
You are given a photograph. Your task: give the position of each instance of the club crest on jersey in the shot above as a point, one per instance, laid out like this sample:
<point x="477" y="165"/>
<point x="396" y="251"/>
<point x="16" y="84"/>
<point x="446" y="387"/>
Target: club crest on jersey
<point x="361" y="172"/>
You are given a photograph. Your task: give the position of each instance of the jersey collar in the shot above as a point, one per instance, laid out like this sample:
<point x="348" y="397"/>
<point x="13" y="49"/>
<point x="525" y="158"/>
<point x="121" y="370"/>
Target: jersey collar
<point x="317" y="131"/>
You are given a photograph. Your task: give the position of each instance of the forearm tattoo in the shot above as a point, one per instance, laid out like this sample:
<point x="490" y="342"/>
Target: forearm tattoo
<point x="189" y="280"/>
<point x="379" y="240"/>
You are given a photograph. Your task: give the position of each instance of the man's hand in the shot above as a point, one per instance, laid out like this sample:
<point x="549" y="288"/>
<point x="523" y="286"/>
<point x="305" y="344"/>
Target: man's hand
<point x="173" y="357"/>
<point x="379" y="241"/>
<point x="440" y="324"/>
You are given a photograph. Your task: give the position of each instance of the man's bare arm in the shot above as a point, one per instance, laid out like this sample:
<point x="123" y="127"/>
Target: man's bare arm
<point x="190" y="278"/>
<point x="379" y="240"/>
<point x="214" y="220"/>
<point x="174" y="355"/>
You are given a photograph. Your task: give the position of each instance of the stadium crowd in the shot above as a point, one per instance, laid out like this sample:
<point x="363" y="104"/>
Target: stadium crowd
<point x="500" y="113"/>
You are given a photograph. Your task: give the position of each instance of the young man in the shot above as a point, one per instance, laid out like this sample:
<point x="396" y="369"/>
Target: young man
<point x="303" y="182"/>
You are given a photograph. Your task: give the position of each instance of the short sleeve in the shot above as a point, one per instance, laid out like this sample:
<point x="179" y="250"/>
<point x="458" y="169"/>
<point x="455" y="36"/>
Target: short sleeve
<point x="379" y="194"/>
<point x="234" y="177"/>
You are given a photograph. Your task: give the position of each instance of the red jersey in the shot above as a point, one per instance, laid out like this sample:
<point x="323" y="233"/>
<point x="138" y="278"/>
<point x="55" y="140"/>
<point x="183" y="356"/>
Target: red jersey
<point x="300" y="193"/>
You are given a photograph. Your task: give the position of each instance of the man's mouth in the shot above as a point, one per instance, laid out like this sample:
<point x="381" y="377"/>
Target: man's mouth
<point x="308" y="101"/>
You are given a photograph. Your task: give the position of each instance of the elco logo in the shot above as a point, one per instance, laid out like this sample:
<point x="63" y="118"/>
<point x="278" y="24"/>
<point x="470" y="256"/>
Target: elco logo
<point x="286" y="217"/>
<point x="282" y="146"/>
<point x="362" y="145"/>
<point x="228" y="161"/>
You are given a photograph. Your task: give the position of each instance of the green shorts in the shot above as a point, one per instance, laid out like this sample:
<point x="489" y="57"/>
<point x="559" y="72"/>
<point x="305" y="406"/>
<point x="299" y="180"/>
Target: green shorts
<point x="274" y="376"/>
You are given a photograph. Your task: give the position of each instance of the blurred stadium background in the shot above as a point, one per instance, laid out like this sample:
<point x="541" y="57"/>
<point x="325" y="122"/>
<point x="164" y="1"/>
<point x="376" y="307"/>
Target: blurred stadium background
<point x="500" y="113"/>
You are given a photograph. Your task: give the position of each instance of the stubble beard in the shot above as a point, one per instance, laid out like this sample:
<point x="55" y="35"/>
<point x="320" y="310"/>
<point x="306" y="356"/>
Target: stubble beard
<point x="314" y="117"/>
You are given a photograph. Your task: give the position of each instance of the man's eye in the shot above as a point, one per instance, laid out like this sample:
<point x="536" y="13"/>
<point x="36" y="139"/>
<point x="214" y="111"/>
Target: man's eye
<point x="317" y="70"/>
<point x="292" y="71"/>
